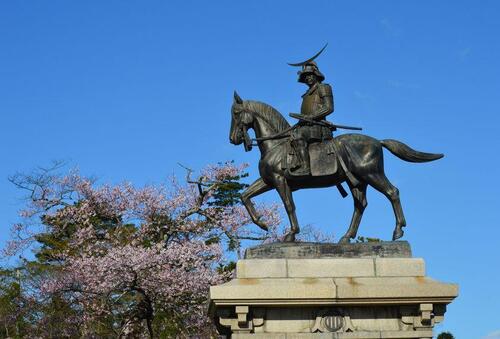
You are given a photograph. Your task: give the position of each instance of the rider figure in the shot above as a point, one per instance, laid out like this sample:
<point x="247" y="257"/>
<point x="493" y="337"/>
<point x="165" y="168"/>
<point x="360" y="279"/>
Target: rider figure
<point x="317" y="103"/>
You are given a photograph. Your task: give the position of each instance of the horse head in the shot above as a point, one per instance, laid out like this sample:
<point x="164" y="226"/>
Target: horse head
<point x="241" y="121"/>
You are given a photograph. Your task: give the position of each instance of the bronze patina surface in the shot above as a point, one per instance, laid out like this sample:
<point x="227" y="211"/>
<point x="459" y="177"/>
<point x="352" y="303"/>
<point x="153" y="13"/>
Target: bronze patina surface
<point x="307" y="155"/>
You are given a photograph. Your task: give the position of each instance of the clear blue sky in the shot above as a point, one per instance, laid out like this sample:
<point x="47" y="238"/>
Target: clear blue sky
<point x="126" y="89"/>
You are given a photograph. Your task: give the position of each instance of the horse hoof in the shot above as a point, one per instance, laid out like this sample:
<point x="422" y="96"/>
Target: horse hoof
<point x="344" y="240"/>
<point x="398" y="233"/>
<point x="290" y="237"/>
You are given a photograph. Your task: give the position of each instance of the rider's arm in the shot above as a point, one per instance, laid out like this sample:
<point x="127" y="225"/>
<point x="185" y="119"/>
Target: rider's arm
<point x="326" y="95"/>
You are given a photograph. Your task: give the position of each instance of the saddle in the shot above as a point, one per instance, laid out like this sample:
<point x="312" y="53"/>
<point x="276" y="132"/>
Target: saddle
<point x="322" y="157"/>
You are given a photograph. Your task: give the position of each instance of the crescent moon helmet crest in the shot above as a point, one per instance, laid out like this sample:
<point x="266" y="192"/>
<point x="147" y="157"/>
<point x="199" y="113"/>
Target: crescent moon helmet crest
<point x="310" y="59"/>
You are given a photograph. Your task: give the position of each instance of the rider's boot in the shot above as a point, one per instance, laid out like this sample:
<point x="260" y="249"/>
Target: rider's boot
<point x="303" y="155"/>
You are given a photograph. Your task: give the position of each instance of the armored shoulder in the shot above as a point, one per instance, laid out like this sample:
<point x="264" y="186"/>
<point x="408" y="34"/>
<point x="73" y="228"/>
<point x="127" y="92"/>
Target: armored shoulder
<point x="325" y="90"/>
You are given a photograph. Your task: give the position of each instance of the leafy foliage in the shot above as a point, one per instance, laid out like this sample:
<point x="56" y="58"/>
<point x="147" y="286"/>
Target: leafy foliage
<point x="118" y="260"/>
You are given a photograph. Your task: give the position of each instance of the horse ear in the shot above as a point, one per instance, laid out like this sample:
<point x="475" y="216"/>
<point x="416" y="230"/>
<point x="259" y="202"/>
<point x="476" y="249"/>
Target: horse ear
<point x="237" y="98"/>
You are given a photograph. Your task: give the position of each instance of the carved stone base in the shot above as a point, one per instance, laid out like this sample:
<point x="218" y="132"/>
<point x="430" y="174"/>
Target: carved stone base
<point x="310" y="296"/>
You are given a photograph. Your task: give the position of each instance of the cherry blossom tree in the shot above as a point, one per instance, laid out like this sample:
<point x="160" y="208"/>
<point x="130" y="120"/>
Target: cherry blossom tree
<point x="134" y="262"/>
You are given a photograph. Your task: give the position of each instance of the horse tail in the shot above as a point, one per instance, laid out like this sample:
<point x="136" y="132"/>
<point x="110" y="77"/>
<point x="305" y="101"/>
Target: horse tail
<point x="406" y="153"/>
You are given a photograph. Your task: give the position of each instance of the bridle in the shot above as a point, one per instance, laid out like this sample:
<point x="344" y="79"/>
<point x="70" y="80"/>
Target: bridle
<point x="250" y="142"/>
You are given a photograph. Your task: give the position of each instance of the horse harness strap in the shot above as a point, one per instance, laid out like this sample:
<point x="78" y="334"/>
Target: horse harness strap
<point x="350" y="176"/>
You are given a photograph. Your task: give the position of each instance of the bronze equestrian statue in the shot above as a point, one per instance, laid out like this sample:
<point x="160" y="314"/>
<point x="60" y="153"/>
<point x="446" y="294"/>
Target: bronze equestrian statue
<point x="308" y="156"/>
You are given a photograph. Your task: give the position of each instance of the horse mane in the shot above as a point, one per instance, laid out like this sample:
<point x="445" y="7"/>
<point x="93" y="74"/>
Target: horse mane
<point x="268" y="113"/>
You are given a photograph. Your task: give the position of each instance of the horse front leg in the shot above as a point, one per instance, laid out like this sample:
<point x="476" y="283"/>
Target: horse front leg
<point x="286" y="196"/>
<point x="257" y="188"/>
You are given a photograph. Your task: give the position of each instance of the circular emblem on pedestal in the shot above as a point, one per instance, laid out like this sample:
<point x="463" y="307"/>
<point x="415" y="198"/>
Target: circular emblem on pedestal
<point x="332" y="322"/>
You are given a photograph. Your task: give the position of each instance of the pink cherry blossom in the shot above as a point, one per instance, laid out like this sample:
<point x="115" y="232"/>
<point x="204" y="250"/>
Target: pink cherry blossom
<point x="132" y="252"/>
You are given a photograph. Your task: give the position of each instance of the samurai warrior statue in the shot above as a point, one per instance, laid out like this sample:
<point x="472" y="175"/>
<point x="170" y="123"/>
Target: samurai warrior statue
<point x="317" y="103"/>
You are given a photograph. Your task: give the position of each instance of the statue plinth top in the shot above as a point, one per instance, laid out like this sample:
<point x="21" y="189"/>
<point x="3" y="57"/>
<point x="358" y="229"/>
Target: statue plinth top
<point x="311" y="250"/>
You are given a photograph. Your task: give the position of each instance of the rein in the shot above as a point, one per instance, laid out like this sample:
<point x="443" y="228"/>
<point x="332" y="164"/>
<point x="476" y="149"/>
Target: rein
<point x="250" y="141"/>
<point x="280" y="135"/>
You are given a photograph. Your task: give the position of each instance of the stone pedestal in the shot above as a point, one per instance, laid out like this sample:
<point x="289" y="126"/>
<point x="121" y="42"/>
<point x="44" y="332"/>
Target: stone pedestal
<point x="308" y="290"/>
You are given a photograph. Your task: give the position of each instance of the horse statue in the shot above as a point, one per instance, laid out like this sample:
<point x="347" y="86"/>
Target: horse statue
<point x="360" y="157"/>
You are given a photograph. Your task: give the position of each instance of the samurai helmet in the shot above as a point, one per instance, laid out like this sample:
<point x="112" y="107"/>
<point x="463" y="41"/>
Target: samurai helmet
<point x="309" y="66"/>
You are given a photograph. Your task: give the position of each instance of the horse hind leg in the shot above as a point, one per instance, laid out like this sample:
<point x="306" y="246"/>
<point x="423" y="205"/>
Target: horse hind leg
<point x="380" y="182"/>
<point x="360" y="203"/>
